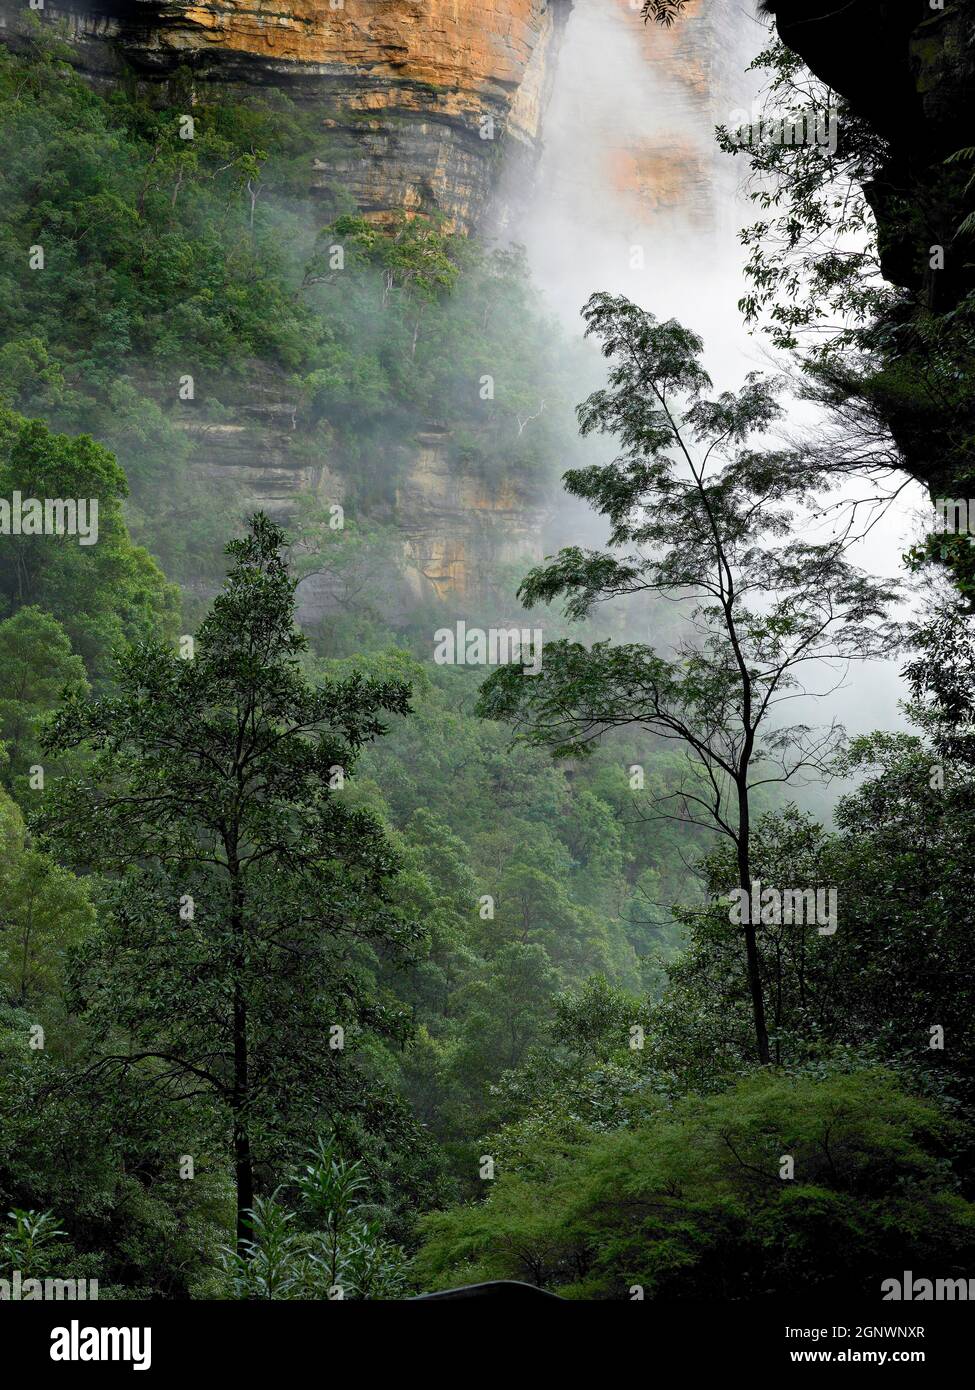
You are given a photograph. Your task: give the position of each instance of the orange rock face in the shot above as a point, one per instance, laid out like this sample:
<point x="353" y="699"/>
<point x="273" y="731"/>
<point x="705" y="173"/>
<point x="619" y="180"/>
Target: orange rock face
<point x="426" y="93"/>
<point x="473" y="52"/>
<point x="419" y="105"/>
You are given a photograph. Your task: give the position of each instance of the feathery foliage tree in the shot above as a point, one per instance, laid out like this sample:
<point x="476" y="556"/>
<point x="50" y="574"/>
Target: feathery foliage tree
<point x="697" y="516"/>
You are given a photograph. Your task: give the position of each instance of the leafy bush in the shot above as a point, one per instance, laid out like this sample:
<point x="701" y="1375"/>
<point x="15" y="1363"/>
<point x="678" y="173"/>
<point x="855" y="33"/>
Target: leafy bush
<point x="698" y="1201"/>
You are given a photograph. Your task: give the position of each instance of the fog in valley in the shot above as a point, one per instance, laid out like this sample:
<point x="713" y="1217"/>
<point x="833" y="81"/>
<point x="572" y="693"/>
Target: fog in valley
<point x="633" y="196"/>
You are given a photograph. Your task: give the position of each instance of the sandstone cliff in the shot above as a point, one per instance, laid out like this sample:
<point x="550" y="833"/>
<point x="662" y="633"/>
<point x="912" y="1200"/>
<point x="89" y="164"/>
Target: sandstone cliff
<point x="421" y="95"/>
<point x="419" y="105"/>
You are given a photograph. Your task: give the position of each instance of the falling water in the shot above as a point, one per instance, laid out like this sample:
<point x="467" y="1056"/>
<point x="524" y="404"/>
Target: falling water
<point x="632" y="195"/>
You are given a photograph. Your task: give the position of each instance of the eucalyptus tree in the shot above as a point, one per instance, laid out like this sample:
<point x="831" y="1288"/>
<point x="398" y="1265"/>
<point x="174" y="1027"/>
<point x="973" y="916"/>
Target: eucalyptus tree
<point x="246" y="900"/>
<point x="697" y="516"/>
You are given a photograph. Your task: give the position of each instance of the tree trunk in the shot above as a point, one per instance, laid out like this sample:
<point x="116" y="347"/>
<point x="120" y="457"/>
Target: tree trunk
<point x="751" y="938"/>
<point x="26" y="952"/>
<point x="243" y="1168"/>
<point x="243" y="1163"/>
<point x="244" y="1179"/>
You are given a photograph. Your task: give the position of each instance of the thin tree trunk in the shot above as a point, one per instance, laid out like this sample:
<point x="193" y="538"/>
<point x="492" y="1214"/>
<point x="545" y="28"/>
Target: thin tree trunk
<point x="243" y="1167"/>
<point x="751" y="938"/>
<point x="243" y="1163"/>
<point x="26" y="952"/>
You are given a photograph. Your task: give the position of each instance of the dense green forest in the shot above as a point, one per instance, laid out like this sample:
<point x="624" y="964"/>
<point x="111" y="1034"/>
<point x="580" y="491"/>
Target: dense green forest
<point x="167" y="258"/>
<point x="329" y="971"/>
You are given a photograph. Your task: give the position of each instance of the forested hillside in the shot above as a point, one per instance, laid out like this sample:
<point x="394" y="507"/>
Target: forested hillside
<point x="155" y="257"/>
<point x="332" y="969"/>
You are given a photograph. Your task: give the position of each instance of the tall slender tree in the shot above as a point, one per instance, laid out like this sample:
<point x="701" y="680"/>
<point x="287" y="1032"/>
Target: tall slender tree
<point x="245" y="901"/>
<point x="696" y="516"/>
